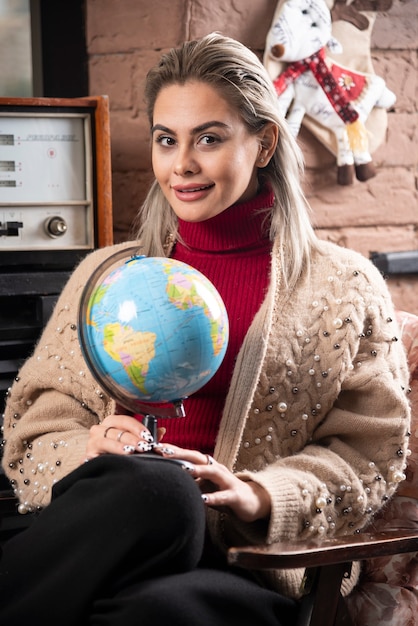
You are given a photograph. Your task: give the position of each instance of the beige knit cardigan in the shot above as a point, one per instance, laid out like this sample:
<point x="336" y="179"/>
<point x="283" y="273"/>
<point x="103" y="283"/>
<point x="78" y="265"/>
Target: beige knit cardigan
<point x="317" y="410"/>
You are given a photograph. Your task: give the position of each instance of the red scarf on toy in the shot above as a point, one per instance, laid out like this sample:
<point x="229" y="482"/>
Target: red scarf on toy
<point x="316" y="64"/>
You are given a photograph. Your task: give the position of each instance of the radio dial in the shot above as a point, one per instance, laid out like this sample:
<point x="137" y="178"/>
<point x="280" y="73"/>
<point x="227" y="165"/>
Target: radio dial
<point x="56" y="226"/>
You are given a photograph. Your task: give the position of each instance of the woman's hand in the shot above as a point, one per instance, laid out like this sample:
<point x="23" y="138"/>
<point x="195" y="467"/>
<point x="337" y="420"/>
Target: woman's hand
<point x="221" y="489"/>
<point x="119" y="434"/>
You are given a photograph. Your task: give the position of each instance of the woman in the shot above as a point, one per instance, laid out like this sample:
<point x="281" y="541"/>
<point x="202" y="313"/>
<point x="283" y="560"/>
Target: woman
<point x="306" y="419"/>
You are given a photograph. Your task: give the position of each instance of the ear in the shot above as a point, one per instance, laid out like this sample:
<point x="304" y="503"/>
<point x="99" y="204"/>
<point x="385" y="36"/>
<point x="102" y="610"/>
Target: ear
<point x="268" y="137"/>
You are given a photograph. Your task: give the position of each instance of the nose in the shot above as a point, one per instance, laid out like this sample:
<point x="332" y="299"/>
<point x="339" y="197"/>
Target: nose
<point x="185" y="163"/>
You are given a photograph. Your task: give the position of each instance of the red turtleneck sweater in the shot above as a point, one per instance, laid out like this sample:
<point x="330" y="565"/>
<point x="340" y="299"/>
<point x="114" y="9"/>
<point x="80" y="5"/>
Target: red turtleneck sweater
<point x="233" y="250"/>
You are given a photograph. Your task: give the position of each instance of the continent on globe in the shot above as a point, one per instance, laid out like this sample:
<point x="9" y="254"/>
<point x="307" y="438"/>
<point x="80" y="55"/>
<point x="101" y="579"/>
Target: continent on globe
<point x="186" y="293"/>
<point x="133" y="349"/>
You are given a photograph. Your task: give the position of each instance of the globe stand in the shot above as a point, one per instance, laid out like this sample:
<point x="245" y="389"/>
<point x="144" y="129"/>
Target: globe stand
<point x="170" y="410"/>
<point x="150" y="421"/>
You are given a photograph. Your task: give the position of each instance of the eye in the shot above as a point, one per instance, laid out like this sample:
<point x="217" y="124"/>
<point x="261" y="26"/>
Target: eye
<point x="208" y="140"/>
<point x="164" y="140"/>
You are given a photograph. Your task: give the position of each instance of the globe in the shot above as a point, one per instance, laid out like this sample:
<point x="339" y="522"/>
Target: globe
<point x="152" y="330"/>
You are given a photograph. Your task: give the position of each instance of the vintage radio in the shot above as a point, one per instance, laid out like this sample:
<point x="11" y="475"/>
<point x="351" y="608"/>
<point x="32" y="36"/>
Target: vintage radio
<point x="55" y="207"/>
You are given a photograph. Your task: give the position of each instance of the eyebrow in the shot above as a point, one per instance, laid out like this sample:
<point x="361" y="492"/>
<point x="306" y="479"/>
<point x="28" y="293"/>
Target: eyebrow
<point x="197" y="129"/>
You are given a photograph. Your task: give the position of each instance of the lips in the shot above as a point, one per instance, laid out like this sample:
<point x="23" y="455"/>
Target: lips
<point x="194" y="189"/>
<point x="192" y="193"/>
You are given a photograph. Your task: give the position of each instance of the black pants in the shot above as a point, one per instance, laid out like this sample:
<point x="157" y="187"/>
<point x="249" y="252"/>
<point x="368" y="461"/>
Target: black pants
<point x="121" y="544"/>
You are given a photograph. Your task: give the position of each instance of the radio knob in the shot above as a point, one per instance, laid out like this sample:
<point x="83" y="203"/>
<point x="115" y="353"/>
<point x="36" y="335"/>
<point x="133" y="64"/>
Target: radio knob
<point x="56" y="226"/>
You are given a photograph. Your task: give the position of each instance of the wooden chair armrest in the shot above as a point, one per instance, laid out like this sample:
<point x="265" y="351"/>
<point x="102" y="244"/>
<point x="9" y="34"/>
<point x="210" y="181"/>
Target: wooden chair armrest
<point x="316" y="553"/>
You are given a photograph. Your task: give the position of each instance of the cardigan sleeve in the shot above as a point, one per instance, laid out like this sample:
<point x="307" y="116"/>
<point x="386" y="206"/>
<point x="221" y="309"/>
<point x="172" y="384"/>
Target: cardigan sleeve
<point x="54" y="400"/>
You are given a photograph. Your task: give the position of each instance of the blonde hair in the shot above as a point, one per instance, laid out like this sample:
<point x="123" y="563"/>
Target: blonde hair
<point x="239" y="76"/>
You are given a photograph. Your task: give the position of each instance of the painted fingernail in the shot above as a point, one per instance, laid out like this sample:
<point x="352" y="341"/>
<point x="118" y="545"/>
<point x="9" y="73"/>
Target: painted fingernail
<point x="143" y="446"/>
<point x="204" y="497"/>
<point x="168" y="451"/>
<point x="128" y="449"/>
<point x="188" y="467"/>
<point x="147" y="436"/>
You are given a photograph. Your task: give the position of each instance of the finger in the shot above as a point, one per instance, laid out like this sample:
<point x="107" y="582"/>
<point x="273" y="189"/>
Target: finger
<point x="115" y="441"/>
<point x="124" y="423"/>
<point x="96" y="447"/>
<point x="118" y="435"/>
<point x="143" y="443"/>
<point x="220" y="500"/>
<point x="160" y="433"/>
<point x="172" y="451"/>
<point x="217" y="478"/>
<point x="247" y="500"/>
<point x="193" y="456"/>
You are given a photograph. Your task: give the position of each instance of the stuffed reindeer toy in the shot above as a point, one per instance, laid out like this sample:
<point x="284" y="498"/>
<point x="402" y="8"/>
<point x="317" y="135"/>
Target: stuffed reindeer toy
<point x="336" y="97"/>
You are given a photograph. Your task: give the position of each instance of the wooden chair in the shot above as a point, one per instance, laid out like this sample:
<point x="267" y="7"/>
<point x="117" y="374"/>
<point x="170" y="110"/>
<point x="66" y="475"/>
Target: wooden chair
<point x="327" y="561"/>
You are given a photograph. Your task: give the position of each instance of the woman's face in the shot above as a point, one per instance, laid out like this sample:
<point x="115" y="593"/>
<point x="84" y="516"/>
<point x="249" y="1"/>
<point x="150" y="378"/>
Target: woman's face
<point x="203" y="157"/>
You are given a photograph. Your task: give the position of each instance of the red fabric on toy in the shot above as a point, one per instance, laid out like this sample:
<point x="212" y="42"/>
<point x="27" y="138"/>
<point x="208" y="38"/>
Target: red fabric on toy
<point x="321" y="71"/>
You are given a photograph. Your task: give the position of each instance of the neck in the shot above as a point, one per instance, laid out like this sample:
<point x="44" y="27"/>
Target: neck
<point x="240" y="226"/>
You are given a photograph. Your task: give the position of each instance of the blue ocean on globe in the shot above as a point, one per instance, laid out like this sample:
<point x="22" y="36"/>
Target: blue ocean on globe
<point x="153" y="330"/>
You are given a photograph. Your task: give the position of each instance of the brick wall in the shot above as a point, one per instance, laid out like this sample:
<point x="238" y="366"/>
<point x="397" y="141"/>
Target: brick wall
<point x="126" y="38"/>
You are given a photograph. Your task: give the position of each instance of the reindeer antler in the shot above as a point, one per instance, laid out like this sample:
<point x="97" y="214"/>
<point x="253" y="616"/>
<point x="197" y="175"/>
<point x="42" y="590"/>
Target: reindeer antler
<point x="351" y="12"/>
<point x="372" y="5"/>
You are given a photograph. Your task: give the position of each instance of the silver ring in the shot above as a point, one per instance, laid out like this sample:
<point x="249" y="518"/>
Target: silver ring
<point x="210" y="459"/>
<point x="119" y="437"/>
<point x="106" y="431"/>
